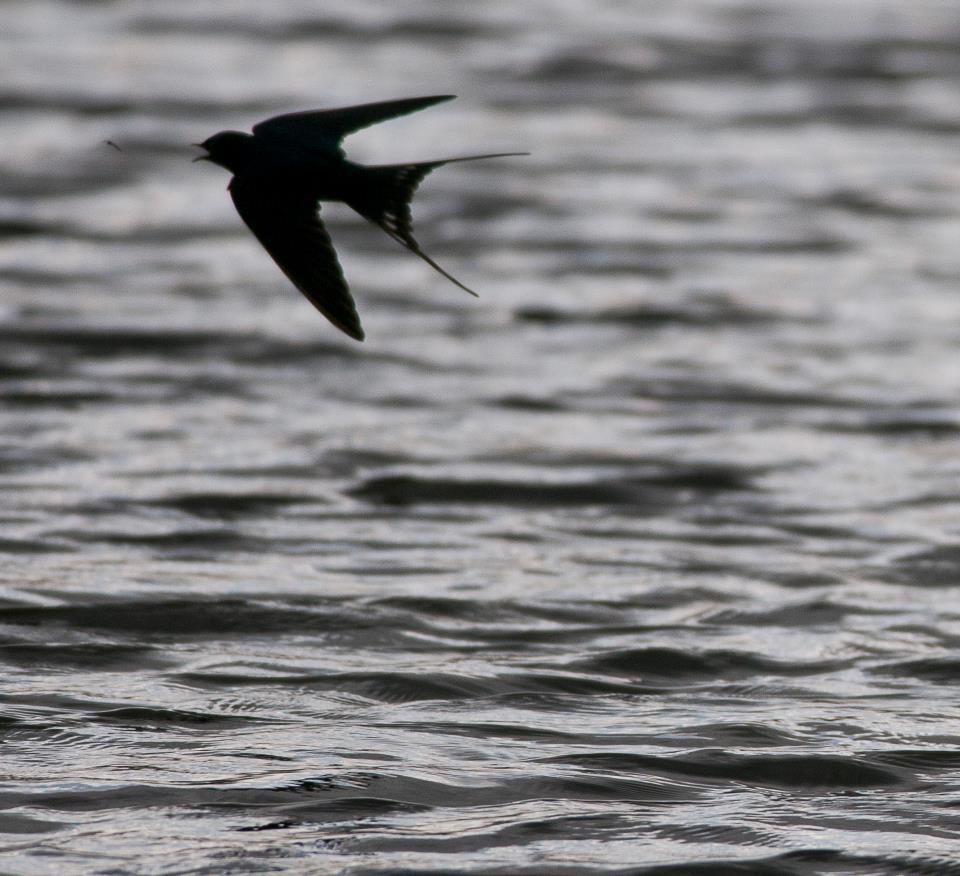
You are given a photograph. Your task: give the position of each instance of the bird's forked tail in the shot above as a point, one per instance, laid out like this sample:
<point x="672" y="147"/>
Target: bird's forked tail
<point x="385" y="201"/>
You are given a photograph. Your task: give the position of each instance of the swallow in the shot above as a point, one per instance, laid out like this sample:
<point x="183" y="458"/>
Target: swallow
<point x="293" y="162"/>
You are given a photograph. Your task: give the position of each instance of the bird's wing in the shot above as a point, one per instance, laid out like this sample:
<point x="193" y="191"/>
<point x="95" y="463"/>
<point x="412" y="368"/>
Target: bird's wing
<point x="288" y="225"/>
<point x="328" y="127"/>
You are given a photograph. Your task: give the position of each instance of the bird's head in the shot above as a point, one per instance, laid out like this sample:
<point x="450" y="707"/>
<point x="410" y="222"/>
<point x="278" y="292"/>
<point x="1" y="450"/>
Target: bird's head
<point x="229" y="149"/>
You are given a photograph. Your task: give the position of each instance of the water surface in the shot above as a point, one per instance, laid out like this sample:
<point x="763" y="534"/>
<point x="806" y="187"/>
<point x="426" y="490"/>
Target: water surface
<point x="647" y="559"/>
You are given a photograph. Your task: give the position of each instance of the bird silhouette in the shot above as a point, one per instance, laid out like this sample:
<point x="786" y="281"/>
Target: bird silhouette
<point x="291" y="163"/>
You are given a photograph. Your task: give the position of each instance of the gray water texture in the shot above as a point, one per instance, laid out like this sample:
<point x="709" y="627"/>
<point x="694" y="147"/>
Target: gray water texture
<point x="647" y="561"/>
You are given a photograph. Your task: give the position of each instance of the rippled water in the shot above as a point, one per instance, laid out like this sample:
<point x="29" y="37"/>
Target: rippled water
<point x="646" y="560"/>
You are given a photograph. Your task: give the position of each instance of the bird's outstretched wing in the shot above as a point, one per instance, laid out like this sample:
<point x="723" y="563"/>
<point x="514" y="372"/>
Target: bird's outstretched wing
<point x="329" y="127"/>
<point x="288" y="225"/>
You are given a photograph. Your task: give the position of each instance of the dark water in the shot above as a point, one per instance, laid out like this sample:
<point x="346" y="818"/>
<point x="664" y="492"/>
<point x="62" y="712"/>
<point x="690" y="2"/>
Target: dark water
<point x="646" y="562"/>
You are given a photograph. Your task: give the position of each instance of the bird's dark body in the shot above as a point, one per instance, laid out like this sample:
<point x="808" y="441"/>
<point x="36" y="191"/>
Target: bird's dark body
<point x="293" y="162"/>
<point x="316" y="172"/>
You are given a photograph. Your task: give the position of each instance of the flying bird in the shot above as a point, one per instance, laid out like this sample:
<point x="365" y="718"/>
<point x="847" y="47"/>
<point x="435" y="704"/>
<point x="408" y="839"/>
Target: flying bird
<point x="292" y="162"/>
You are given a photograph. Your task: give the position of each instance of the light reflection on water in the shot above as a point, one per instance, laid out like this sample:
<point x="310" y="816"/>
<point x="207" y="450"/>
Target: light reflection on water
<point x="645" y="558"/>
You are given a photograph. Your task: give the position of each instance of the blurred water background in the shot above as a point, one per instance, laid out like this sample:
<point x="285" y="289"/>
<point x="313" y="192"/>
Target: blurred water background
<point x="649" y="558"/>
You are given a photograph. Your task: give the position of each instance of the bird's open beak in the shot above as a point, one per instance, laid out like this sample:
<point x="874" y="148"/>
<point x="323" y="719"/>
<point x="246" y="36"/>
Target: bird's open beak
<point x="200" y="157"/>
